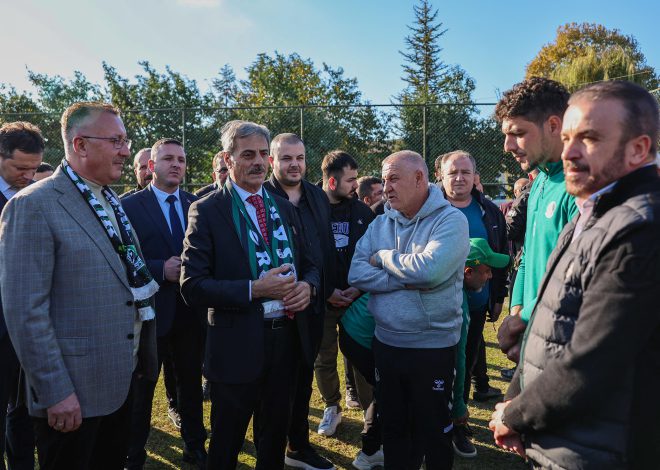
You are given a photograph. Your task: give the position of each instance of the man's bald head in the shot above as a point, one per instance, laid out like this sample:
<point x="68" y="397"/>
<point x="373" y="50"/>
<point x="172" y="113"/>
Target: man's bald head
<point x="411" y="160"/>
<point x="141" y="168"/>
<point x="406" y="179"/>
<point x="519" y="185"/>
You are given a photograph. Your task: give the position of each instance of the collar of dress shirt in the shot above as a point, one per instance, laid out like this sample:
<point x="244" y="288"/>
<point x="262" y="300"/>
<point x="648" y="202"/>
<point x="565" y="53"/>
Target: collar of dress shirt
<point x="588" y="203"/>
<point x="246" y="194"/>
<point x="7" y="190"/>
<point x="162" y="195"/>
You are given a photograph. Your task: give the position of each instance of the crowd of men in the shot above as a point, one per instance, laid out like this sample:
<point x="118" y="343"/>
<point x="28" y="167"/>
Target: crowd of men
<point x="258" y="282"/>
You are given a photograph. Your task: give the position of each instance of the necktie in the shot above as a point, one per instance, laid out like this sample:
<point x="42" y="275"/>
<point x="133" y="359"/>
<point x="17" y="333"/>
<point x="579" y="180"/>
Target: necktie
<point x="175" y="224"/>
<point x="258" y="204"/>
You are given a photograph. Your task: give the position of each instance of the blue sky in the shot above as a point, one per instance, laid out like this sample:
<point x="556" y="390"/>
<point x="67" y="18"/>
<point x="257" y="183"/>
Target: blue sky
<point x="491" y="40"/>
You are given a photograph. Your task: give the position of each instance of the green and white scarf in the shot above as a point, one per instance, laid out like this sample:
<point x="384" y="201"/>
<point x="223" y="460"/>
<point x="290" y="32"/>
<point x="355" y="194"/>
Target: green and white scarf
<point x="142" y="284"/>
<point x="261" y="256"/>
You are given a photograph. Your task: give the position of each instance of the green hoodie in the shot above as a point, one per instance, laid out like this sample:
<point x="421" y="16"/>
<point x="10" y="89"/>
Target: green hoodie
<point x="549" y="208"/>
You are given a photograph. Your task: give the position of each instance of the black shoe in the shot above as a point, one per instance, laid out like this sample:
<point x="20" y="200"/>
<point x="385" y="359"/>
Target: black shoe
<point x="486" y="395"/>
<point x="307" y="459"/>
<point x="206" y="390"/>
<point x="195" y="457"/>
<point x="462" y="444"/>
<point x="352" y="401"/>
<point x="507" y="374"/>
<point x="175" y="417"/>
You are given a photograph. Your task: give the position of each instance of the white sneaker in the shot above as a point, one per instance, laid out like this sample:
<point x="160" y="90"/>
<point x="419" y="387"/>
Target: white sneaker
<point x="367" y="462"/>
<point x="330" y="421"/>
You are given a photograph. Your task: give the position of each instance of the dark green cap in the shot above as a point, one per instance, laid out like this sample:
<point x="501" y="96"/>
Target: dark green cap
<point x="481" y="253"/>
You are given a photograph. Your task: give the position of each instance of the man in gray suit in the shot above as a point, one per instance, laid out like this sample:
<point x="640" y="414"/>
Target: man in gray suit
<point x="77" y="297"/>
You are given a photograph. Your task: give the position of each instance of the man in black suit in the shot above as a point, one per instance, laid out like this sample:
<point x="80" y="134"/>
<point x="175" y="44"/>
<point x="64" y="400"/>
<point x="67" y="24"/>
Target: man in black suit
<point x="245" y="260"/>
<point x="21" y="150"/>
<point x="220" y="173"/>
<point x="141" y="170"/>
<point x="287" y="156"/>
<point x="159" y="214"/>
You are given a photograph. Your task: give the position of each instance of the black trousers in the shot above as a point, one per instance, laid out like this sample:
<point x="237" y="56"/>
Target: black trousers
<point x="184" y="344"/>
<point x="414" y="389"/>
<point x="100" y="443"/>
<point x="169" y="380"/>
<point x="299" y="422"/>
<point x="18" y="442"/>
<point x="268" y="398"/>
<point x="363" y="360"/>
<point x="475" y="354"/>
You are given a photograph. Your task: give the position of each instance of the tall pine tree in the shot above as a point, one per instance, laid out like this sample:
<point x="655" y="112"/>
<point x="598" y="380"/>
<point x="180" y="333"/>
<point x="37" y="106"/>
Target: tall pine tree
<point x="440" y="90"/>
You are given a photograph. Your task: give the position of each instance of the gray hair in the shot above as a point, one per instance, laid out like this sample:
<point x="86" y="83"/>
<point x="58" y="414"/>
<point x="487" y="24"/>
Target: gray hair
<point x="413" y="159"/>
<point x="442" y="160"/>
<point x="239" y="129"/>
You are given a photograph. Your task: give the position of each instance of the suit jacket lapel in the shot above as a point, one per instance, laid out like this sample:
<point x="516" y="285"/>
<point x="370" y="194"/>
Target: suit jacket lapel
<point x="75" y="205"/>
<point x="155" y="213"/>
<point x="185" y="204"/>
<point x="3" y="201"/>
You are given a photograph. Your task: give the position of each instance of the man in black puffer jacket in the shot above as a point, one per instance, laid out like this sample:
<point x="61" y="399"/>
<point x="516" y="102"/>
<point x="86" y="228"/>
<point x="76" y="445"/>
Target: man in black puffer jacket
<point x="585" y="395"/>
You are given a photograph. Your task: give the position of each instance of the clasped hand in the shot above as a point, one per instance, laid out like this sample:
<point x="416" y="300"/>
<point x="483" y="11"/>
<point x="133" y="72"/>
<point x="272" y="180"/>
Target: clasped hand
<point x="295" y="295"/>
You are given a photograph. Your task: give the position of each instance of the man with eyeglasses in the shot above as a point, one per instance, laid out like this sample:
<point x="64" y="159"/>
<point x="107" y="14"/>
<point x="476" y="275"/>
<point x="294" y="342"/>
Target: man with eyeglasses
<point x="220" y="174"/>
<point x="79" y="310"/>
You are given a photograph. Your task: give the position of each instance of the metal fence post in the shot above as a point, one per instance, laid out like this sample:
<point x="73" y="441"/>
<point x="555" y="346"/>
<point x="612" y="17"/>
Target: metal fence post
<point x="424" y="132"/>
<point x="183" y="140"/>
<point x="302" y="123"/>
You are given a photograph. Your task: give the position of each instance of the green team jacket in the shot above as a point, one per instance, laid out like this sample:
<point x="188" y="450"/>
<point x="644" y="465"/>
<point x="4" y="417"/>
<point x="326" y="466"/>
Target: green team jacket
<point x="549" y="208"/>
<point x="459" y="408"/>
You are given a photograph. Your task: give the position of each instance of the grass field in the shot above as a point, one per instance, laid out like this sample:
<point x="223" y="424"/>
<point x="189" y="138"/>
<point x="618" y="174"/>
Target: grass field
<point x="165" y="445"/>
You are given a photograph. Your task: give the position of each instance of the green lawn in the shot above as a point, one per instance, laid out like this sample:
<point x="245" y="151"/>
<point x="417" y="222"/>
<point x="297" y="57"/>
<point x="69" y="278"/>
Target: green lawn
<point x="165" y="445"/>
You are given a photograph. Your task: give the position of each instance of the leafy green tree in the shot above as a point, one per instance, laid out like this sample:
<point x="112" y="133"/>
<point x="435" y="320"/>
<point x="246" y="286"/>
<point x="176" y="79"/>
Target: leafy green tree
<point x="324" y="106"/>
<point x="588" y="52"/>
<point x="166" y="104"/>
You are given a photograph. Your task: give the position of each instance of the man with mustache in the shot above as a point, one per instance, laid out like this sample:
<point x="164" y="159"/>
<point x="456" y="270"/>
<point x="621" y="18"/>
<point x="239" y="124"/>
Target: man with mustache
<point x="288" y="159"/>
<point x="245" y="261"/>
<point x="350" y="218"/>
<point x="21" y="150"/>
<point x="585" y="393"/>
<point x="159" y="214"/>
<point x="531" y="118"/>
<point x="141" y="170"/>
<point x="220" y="174"/>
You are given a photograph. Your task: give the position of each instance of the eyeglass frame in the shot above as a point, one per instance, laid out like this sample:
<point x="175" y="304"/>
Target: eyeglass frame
<point x="115" y="140"/>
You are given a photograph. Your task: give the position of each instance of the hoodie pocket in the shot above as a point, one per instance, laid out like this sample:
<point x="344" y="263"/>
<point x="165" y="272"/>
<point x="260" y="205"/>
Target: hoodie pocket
<point x="440" y="317"/>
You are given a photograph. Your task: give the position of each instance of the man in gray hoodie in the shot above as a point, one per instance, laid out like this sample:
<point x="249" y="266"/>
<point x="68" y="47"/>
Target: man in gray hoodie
<point x="411" y="261"/>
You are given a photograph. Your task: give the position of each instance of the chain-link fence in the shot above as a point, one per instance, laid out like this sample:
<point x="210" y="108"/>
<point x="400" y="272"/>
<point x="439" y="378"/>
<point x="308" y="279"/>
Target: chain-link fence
<point x="369" y="132"/>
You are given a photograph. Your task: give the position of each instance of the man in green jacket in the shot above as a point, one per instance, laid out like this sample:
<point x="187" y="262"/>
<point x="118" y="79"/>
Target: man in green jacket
<point x="531" y="118"/>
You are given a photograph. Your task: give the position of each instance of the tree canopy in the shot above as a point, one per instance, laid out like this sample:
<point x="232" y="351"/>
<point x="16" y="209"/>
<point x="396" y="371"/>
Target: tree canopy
<point x="588" y="52"/>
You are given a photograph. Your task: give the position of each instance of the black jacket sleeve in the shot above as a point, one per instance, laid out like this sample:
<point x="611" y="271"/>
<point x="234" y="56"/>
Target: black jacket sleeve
<point x="516" y="217"/>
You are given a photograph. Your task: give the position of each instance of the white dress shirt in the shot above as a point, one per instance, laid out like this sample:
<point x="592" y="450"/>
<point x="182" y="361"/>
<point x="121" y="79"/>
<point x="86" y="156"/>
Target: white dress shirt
<point x="161" y="196"/>
<point x="251" y="210"/>
<point x="7" y="190"/>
